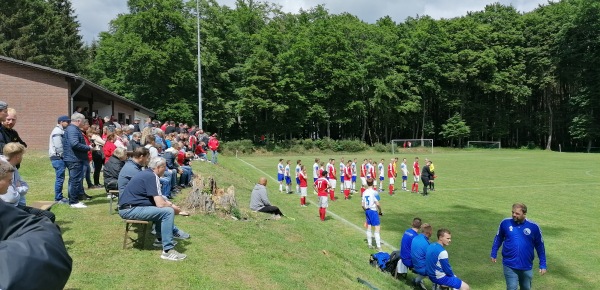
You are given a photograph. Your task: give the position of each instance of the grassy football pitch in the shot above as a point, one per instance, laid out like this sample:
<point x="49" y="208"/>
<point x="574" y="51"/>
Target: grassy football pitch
<point x="474" y="192"/>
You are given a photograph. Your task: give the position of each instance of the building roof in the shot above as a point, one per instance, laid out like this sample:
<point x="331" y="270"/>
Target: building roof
<point x="75" y="77"/>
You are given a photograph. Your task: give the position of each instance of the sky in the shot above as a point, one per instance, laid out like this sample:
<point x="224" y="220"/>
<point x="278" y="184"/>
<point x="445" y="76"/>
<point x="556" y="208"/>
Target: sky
<point x="95" y="15"/>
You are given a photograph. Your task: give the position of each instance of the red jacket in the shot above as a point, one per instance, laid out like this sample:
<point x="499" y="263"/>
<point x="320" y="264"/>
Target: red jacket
<point x="213" y="144"/>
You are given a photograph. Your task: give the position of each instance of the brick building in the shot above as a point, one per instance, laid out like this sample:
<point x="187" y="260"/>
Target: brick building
<point x="41" y="94"/>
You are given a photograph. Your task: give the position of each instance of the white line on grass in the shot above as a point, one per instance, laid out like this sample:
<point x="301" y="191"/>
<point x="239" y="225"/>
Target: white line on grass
<point x="328" y="211"/>
<point x="521" y="186"/>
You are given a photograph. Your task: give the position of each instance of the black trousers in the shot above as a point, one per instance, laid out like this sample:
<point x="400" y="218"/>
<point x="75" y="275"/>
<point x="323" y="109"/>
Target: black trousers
<point x="98" y="162"/>
<point x="425" y="184"/>
<point x="271" y="209"/>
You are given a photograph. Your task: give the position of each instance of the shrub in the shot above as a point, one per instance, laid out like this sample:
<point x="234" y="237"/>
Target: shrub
<point x="353" y="145"/>
<point x="382" y="147"/>
<point x="241" y="146"/>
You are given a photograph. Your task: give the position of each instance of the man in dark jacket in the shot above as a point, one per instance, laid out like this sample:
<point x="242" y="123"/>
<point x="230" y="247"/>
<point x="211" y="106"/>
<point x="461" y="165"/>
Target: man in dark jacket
<point x="32" y="251"/>
<point x="75" y="154"/>
<point x="426" y="176"/>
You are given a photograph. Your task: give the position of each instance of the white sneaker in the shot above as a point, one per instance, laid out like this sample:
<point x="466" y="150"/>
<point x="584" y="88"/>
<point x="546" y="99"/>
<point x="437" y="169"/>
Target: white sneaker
<point x="78" y="205"/>
<point x="110" y="196"/>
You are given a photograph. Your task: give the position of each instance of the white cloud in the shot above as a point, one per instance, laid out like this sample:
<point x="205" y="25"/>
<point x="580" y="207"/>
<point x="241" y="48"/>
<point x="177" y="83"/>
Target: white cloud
<point x="95" y="15"/>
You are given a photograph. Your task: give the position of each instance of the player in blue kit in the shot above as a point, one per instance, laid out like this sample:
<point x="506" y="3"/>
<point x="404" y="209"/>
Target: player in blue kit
<point x="418" y="251"/>
<point x="437" y="264"/>
<point x="405" y="245"/>
<point x="280" y="170"/>
<point x="372" y="212"/>
<point x="288" y="177"/>
<point x="298" y="170"/>
<point x="518" y="237"/>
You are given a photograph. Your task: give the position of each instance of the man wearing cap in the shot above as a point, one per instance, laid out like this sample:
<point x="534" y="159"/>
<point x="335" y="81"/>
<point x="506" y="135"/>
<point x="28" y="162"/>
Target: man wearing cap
<point x="55" y="150"/>
<point x="75" y="154"/>
<point x="3" y="114"/>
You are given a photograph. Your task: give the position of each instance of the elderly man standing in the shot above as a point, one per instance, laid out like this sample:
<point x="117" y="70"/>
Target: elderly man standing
<point x="3" y="114"/>
<point x="142" y="200"/>
<point x="259" y="201"/>
<point x="55" y="150"/>
<point x="75" y="154"/>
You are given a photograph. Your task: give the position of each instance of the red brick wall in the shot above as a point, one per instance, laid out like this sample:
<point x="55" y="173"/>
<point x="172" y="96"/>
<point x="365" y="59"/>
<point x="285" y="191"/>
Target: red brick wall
<point x="39" y="98"/>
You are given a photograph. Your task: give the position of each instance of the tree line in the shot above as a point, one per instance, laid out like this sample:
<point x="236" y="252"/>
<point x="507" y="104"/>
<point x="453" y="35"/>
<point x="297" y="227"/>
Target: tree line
<point x="524" y="79"/>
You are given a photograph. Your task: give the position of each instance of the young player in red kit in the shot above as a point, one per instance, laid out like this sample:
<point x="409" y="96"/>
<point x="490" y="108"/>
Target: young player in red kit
<point x="347" y="179"/>
<point x="332" y="178"/>
<point x="303" y="185"/>
<point x="322" y="186"/>
<point x="391" y="175"/>
<point x="363" y="176"/>
<point x="416" y="175"/>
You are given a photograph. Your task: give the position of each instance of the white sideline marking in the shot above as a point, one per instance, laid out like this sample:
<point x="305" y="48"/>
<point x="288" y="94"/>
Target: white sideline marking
<point x="589" y="172"/>
<point x="519" y="186"/>
<point x="328" y="211"/>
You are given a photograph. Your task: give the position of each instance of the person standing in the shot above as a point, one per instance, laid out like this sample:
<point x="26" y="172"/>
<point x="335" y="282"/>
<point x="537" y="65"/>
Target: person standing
<point x="97" y="153"/>
<point x="381" y="168"/>
<point x="280" y="177"/>
<point x="432" y="176"/>
<point x="332" y="178"/>
<point x="303" y="185"/>
<point x="372" y="209"/>
<point x="437" y="263"/>
<point x="405" y="246"/>
<point x="316" y="170"/>
<point x="391" y="176"/>
<point x="321" y="186"/>
<point x="7" y="126"/>
<point x="418" y="252"/>
<point x="416" y="175"/>
<point x="288" y="178"/>
<point x="347" y="173"/>
<point x="425" y="177"/>
<point x="55" y="151"/>
<point x="213" y="145"/>
<point x="404" y="169"/>
<point x="298" y="170"/>
<point x="75" y="155"/>
<point x="518" y="237"/>
<point x="353" y="175"/>
<point x="342" y="175"/>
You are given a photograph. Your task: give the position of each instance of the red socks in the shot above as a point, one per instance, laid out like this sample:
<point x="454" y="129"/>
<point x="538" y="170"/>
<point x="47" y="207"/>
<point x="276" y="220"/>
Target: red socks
<point x="303" y="200"/>
<point x="391" y="189"/>
<point x="322" y="212"/>
<point x="416" y="187"/>
<point x="332" y="194"/>
<point x="346" y="193"/>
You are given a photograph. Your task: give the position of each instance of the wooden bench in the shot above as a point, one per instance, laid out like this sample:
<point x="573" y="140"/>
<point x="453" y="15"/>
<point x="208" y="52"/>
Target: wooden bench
<point x="43" y="205"/>
<point x="114" y="192"/>
<point x="129" y="228"/>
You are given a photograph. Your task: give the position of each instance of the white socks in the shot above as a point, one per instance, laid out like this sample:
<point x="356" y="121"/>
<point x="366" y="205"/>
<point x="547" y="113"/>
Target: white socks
<point x="377" y="239"/>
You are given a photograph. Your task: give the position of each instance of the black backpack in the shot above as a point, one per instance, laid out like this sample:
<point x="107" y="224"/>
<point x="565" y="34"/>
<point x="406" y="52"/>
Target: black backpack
<point x="392" y="263"/>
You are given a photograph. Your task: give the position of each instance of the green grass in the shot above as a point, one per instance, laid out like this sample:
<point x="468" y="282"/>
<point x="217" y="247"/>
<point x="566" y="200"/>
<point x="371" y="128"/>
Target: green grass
<point x="474" y="192"/>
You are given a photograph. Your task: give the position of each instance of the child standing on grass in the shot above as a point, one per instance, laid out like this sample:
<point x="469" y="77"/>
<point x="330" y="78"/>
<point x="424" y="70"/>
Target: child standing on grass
<point x="303" y="185"/>
<point x="347" y="179"/>
<point x="322" y="186"/>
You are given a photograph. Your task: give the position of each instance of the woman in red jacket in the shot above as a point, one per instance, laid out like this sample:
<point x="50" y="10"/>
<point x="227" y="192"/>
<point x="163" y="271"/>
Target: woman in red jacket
<point x="109" y="146"/>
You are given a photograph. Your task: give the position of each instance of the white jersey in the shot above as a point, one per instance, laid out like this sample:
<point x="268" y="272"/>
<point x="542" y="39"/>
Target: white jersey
<point x="280" y="168"/>
<point x="342" y="167"/>
<point x="380" y="167"/>
<point x="369" y="198"/>
<point x="287" y="170"/>
<point x="404" y="169"/>
<point x="316" y="170"/>
<point x="353" y="168"/>
<point x="298" y="168"/>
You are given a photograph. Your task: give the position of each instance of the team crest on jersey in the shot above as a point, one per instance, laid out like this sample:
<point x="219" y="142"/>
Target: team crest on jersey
<point x="510" y="228"/>
<point x="527" y="231"/>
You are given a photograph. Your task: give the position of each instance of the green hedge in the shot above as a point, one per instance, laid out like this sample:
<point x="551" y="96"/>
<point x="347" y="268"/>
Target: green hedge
<point x="297" y="146"/>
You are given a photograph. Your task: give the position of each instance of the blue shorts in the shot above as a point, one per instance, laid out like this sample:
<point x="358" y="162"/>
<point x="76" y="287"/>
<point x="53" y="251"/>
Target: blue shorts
<point x="342" y="179"/>
<point x="353" y="178"/>
<point x="279" y="177"/>
<point x="288" y="180"/>
<point x="452" y="282"/>
<point x="315" y="179"/>
<point x="405" y="178"/>
<point x="297" y="180"/>
<point x="381" y="178"/>
<point x="372" y="217"/>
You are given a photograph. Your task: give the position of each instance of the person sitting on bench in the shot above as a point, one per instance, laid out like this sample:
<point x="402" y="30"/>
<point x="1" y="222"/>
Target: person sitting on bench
<point x="111" y="170"/>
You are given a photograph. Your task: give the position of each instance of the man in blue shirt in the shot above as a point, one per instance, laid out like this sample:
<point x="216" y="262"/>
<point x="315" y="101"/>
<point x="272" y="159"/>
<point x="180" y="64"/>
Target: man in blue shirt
<point x="418" y="251"/>
<point x="520" y="236"/>
<point x="141" y="200"/>
<point x="405" y="245"/>
<point x="437" y="264"/>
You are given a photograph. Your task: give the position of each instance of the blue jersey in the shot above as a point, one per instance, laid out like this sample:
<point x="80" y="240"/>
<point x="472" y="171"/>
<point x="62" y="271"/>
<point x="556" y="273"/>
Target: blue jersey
<point x="405" y="244"/>
<point x="418" y="251"/>
<point x="519" y="241"/>
<point x="436" y="262"/>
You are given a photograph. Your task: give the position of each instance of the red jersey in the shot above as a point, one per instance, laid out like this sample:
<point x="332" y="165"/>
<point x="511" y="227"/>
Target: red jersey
<point x="321" y="185"/>
<point x="320" y="172"/>
<point x="302" y="178"/>
<point x="372" y="171"/>
<point x="347" y="173"/>
<point x="331" y="171"/>
<point x="199" y="150"/>
<point x="416" y="168"/>
<point x="363" y="170"/>
<point x="391" y="170"/>
<point x="180" y="157"/>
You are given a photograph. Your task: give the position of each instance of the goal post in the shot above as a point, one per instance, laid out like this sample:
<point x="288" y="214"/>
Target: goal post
<point x="412" y="145"/>
<point x="484" y="144"/>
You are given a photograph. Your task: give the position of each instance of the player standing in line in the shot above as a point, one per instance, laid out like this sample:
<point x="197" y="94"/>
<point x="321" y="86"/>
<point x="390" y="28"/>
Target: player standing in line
<point x="288" y="178"/>
<point x="363" y="177"/>
<point x="416" y="175"/>
<point x="432" y="169"/>
<point x="342" y="175"/>
<point x="298" y="169"/>
<point x="347" y="179"/>
<point x="280" y="170"/>
<point x="404" y="169"/>
<point x="353" y="176"/>
<point x="321" y="186"/>
<point x="391" y="176"/>
<point x="332" y="178"/>
<point x="316" y="169"/>
<point x="303" y="186"/>
<point x="381" y="167"/>
<point x="372" y="212"/>
<point x="371" y="174"/>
